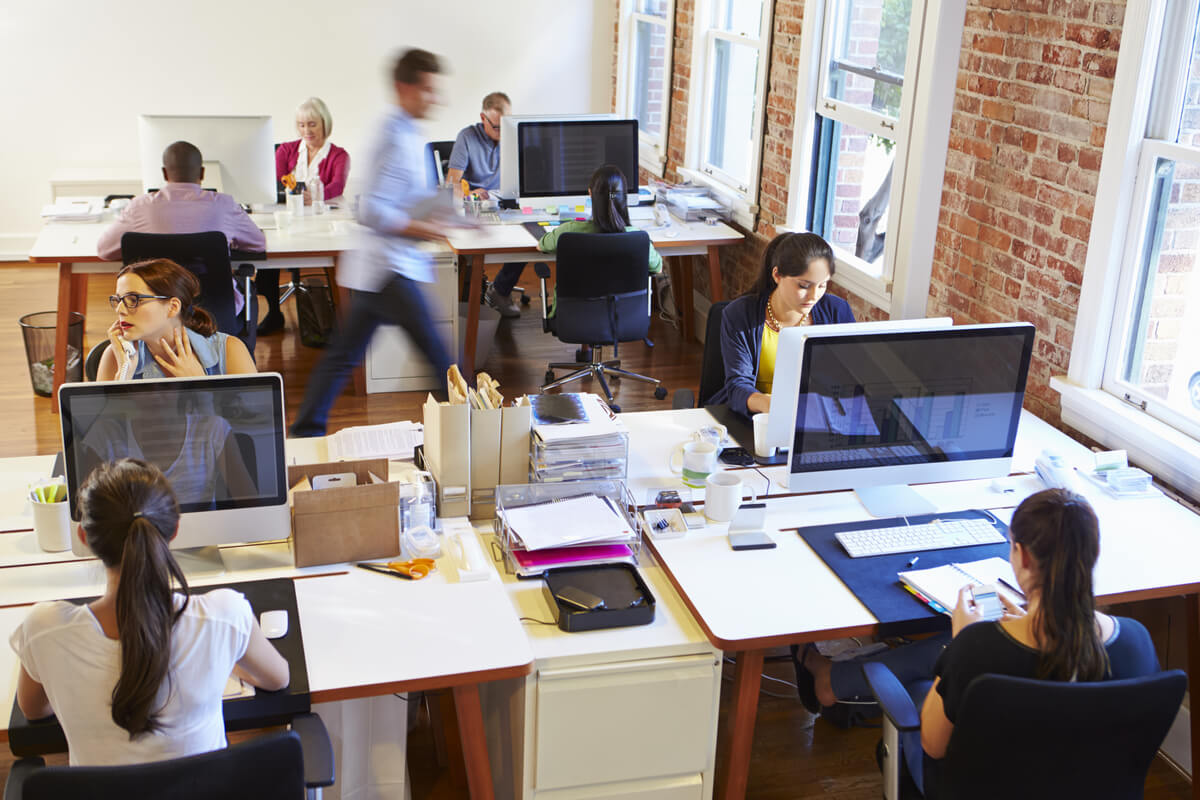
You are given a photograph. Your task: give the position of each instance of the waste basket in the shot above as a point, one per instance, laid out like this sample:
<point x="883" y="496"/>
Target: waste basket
<point x="314" y="308"/>
<point x="38" y="329"/>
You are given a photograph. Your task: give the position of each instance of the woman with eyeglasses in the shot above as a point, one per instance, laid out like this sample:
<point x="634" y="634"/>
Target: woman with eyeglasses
<point x="172" y="336"/>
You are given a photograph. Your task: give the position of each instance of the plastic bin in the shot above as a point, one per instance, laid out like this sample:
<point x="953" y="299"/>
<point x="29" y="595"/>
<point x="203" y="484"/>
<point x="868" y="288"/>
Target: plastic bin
<point x="38" y="329"/>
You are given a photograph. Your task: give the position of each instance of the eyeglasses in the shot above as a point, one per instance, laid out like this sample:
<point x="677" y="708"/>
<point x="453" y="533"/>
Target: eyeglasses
<point x="132" y="299"/>
<point x="489" y="123"/>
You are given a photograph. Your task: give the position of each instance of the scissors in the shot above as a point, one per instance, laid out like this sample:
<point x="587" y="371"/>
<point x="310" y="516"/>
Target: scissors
<point x="413" y="569"/>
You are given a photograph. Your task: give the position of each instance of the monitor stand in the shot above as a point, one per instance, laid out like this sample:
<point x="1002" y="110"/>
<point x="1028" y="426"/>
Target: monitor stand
<point x="200" y="562"/>
<point x="897" y="500"/>
<point x="779" y="457"/>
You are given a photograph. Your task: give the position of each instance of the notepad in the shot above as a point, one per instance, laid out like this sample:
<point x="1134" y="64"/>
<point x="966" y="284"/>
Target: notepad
<point x="941" y="584"/>
<point x="573" y="520"/>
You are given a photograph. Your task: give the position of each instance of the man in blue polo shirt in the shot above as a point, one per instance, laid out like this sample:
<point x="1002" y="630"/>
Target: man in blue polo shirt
<point x="476" y="157"/>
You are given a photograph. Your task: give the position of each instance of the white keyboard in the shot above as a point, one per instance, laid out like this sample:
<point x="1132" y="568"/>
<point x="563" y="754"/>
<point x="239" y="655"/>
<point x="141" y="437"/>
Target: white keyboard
<point x="935" y="535"/>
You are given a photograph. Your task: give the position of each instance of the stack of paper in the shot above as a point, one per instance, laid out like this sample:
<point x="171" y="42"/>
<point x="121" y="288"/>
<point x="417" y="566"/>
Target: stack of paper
<point x="394" y="440"/>
<point x="67" y="210"/>
<point x="575" y="437"/>
<point x="586" y="519"/>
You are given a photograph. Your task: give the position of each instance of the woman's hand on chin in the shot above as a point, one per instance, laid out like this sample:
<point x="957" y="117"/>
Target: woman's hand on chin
<point x="177" y="359"/>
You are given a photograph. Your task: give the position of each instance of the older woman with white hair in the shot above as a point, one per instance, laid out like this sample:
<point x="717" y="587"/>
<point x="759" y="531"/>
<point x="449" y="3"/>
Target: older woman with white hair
<point x="311" y="154"/>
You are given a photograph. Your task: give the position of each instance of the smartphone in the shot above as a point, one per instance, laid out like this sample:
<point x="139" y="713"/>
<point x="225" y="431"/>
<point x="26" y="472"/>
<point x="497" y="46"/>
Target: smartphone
<point x="736" y="456"/>
<point x="750" y="540"/>
<point x="334" y="481"/>
<point x="578" y="598"/>
<point x="988" y="602"/>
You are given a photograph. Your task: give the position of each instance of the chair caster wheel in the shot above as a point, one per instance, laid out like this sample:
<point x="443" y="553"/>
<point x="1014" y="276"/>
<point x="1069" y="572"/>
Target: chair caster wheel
<point x="549" y="376"/>
<point x="524" y="299"/>
<point x="660" y="393"/>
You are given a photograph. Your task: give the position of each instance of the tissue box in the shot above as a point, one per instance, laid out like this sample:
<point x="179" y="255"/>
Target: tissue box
<point x="351" y="523"/>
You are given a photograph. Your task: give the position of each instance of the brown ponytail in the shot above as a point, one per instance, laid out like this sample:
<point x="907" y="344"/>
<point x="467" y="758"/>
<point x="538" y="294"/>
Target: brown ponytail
<point x="1060" y="532"/>
<point x="129" y="513"/>
<point x="167" y="278"/>
<point x="792" y="253"/>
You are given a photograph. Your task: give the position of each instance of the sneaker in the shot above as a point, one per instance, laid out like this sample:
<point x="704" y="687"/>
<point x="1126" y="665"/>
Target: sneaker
<point x="507" y="305"/>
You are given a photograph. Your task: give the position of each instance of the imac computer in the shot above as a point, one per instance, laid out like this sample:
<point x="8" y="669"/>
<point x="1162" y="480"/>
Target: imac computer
<point x="550" y="160"/>
<point x="219" y="441"/>
<point x="238" y="152"/>
<point x="877" y="410"/>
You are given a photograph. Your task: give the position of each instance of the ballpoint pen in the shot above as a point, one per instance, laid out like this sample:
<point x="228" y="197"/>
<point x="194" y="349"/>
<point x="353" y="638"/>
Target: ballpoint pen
<point x="914" y="561"/>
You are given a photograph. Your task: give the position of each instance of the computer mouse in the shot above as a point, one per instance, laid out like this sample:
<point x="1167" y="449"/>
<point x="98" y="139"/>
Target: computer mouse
<point x="274" y="623"/>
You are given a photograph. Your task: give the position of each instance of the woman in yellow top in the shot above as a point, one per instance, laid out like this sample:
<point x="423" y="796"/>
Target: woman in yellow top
<point x="609" y="215"/>
<point x="791" y="291"/>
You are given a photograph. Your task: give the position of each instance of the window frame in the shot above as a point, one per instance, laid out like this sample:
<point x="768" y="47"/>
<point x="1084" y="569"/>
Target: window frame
<point x="652" y="149"/>
<point x="1092" y="402"/>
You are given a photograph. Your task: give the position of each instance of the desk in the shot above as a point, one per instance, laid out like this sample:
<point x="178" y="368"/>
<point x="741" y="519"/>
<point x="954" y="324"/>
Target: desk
<point x="748" y="602"/>
<point x="509" y="241"/>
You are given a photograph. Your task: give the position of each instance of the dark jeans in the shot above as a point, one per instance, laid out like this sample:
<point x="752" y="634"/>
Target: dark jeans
<point x="507" y="278"/>
<point x="399" y="302"/>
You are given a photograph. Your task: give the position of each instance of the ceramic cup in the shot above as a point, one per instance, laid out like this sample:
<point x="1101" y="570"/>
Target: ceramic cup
<point x="52" y="526"/>
<point x="694" y="461"/>
<point x="760" y="435"/>
<point x="723" y="493"/>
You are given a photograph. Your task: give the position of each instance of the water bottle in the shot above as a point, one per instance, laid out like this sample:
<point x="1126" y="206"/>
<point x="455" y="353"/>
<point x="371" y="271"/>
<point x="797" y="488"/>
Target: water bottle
<point x="316" y="191"/>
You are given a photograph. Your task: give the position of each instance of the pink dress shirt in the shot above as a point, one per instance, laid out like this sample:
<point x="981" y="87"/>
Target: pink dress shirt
<point x="182" y="208"/>
<point x="334" y="169"/>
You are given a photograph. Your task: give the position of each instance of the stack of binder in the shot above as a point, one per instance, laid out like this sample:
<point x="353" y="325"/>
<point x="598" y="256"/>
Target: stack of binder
<point x="576" y="437"/>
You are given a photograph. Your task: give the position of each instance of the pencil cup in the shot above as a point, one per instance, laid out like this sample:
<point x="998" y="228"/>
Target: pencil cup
<point x="722" y="496"/>
<point x="295" y="204"/>
<point x="760" y="435"/>
<point x="52" y="524"/>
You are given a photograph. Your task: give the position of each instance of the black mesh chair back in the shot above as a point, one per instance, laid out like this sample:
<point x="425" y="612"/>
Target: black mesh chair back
<point x="206" y="255"/>
<point x="1016" y="737"/>
<point x="602" y="288"/>
<point x="712" y="368"/>
<point x="268" y="767"/>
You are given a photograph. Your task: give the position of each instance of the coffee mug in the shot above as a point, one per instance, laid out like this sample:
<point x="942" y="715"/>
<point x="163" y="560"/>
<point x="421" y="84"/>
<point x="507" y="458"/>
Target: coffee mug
<point x="760" y="435"/>
<point x="696" y="459"/>
<point x="723" y="493"/>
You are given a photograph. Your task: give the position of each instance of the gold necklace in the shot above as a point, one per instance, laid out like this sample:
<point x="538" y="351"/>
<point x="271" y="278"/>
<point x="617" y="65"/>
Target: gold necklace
<point x="774" y="323"/>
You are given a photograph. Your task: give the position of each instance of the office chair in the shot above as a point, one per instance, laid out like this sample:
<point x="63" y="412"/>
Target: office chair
<point x="439" y="159"/>
<point x="207" y="256"/>
<point x="603" y="298"/>
<point x="285" y="765"/>
<point x="1017" y="737"/>
<point x="712" y="364"/>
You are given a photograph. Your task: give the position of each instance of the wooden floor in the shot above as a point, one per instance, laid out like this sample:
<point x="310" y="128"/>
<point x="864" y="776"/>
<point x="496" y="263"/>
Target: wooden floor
<point x="792" y="757"/>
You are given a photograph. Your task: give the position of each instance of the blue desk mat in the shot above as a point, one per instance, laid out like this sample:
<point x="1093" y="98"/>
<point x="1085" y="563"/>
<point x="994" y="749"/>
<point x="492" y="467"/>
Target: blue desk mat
<point x="40" y="737"/>
<point x="873" y="578"/>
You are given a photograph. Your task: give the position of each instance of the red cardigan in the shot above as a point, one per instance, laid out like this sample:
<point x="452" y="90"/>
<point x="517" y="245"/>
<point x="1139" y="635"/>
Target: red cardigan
<point x="333" y="170"/>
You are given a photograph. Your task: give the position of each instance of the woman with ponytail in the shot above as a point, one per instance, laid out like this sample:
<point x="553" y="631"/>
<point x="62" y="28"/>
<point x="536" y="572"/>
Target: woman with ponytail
<point x="138" y="675"/>
<point x="172" y="336"/>
<point x="610" y="214"/>
<point x="790" y="291"/>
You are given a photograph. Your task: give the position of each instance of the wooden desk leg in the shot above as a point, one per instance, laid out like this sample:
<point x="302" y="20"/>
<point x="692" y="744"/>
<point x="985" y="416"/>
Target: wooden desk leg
<point x="62" y="327"/>
<point x="1193" y="669"/>
<point x="714" y="274"/>
<point x="687" y="304"/>
<point x="474" y="742"/>
<point x="474" y="270"/>
<point x="740" y="725"/>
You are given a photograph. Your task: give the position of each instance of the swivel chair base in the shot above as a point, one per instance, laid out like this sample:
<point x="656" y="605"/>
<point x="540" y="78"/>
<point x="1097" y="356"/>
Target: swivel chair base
<point x="598" y="368"/>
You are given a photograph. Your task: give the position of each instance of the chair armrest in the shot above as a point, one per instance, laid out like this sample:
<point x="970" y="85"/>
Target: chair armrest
<point x="20" y="770"/>
<point x="244" y="271"/>
<point x="247" y="255"/>
<point x="892" y="697"/>
<point x="541" y="269"/>
<point x="317" y="749"/>
<point x="683" y="398"/>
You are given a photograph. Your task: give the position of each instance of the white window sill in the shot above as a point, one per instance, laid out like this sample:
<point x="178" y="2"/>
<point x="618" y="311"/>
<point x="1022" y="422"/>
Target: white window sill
<point x="743" y="210"/>
<point x="652" y="162"/>
<point x="1153" y="445"/>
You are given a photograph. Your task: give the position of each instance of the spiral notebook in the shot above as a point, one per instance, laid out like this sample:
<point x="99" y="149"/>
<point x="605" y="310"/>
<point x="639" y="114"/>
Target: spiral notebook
<point x="938" y="586"/>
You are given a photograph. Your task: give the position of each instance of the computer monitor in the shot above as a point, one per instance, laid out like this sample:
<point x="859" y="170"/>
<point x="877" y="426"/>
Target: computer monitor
<point x="219" y="440"/>
<point x="550" y="160"/>
<point x="238" y="152"/>
<point x="876" y="411"/>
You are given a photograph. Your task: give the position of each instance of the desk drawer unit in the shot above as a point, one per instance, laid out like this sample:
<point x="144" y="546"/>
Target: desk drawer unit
<point x="624" y="722"/>
<point x="394" y="363"/>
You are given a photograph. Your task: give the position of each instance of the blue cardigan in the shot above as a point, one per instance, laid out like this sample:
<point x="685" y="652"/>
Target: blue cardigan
<point x="741" y="339"/>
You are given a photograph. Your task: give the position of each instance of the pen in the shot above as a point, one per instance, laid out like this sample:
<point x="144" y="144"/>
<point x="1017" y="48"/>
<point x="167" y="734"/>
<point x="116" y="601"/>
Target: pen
<point x="384" y="571"/>
<point x="914" y="561"/>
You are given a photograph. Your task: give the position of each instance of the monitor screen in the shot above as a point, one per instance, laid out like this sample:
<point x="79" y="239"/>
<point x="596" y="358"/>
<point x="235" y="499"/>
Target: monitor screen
<point x="922" y="397"/>
<point x="557" y="159"/>
<point x="219" y="441"/>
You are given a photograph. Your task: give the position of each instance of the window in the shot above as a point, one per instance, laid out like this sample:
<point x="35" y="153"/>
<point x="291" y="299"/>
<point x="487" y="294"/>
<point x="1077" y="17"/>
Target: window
<point x="644" y="75"/>
<point x="869" y="146"/>
<point x="1134" y="378"/>
<point x="731" y="54"/>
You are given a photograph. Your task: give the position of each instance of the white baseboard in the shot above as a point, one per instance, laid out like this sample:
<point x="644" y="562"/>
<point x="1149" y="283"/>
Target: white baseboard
<point x="1177" y="747"/>
<point x="16" y="246"/>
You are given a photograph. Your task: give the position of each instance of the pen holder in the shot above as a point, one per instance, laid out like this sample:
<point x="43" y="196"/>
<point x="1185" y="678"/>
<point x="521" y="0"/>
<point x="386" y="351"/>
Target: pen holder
<point x="295" y="204"/>
<point x="52" y="526"/>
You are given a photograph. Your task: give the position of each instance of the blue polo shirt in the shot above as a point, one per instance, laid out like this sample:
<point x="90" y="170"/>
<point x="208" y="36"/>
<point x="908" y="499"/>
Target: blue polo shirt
<point x="478" y="156"/>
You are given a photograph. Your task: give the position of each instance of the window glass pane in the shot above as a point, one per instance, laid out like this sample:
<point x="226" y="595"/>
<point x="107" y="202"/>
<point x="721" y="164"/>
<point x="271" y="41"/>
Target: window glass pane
<point x="649" y="67"/>
<point x="654" y="8"/>
<point x="867" y="52"/>
<point x="738" y="16"/>
<point x="1162" y="357"/>
<point x="735" y="76"/>
<point x="1189" y="127"/>
<point x="850" y="201"/>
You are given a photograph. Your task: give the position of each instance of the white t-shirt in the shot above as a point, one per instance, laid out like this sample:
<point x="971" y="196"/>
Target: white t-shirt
<point x="62" y="646"/>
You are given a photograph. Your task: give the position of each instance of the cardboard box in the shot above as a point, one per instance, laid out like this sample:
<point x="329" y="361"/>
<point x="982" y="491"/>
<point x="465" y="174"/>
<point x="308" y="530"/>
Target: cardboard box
<point x="353" y="523"/>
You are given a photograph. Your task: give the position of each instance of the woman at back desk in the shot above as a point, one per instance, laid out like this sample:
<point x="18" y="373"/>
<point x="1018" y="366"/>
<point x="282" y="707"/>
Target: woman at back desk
<point x="791" y="291"/>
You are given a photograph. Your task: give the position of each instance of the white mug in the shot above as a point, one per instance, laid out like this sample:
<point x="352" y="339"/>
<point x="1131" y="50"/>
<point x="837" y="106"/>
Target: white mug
<point x="723" y="495"/>
<point x="760" y="435"/>
<point x="52" y="526"/>
<point x="696" y="459"/>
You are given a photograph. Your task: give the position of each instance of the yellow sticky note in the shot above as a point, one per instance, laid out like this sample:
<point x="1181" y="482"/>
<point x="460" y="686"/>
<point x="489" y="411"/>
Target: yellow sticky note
<point x="580" y="209"/>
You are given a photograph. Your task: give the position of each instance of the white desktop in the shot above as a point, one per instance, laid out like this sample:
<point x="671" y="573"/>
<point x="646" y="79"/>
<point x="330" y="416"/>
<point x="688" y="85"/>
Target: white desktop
<point x="219" y="440"/>
<point x="238" y="152"/>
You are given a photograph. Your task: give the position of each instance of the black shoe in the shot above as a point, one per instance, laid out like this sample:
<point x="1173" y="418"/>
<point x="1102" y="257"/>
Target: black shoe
<point x="855" y="714"/>
<point x="272" y="323"/>
<point x="806" y="686"/>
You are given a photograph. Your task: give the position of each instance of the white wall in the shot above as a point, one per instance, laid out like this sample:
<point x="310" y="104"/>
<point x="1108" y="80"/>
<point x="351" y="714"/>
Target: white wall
<point x="76" y="73"/>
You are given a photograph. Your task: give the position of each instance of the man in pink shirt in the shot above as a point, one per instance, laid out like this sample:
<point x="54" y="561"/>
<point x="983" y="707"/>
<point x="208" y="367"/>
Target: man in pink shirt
<point x="181" y="206"/>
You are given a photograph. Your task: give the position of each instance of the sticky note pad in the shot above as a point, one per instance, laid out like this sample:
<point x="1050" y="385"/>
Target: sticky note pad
<point x="580" y="209"/>
<point x="526" y="209"/>
<point x="551" y="209"/>
<point x="543" y="223"/>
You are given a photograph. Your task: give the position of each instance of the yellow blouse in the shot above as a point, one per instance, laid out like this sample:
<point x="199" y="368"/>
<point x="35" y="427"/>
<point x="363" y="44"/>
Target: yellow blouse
<point x="766" y="360"/>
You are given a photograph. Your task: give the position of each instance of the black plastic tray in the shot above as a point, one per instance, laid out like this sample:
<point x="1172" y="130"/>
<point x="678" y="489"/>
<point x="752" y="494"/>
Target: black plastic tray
<point x="619" y="585"/>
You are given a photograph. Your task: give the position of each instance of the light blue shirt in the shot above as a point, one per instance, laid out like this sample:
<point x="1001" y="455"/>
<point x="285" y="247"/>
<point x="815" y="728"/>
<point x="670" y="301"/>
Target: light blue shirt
<point x="209" y="351"/>
<point x="398" y="182"/>
<point x="478" y="156"/>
